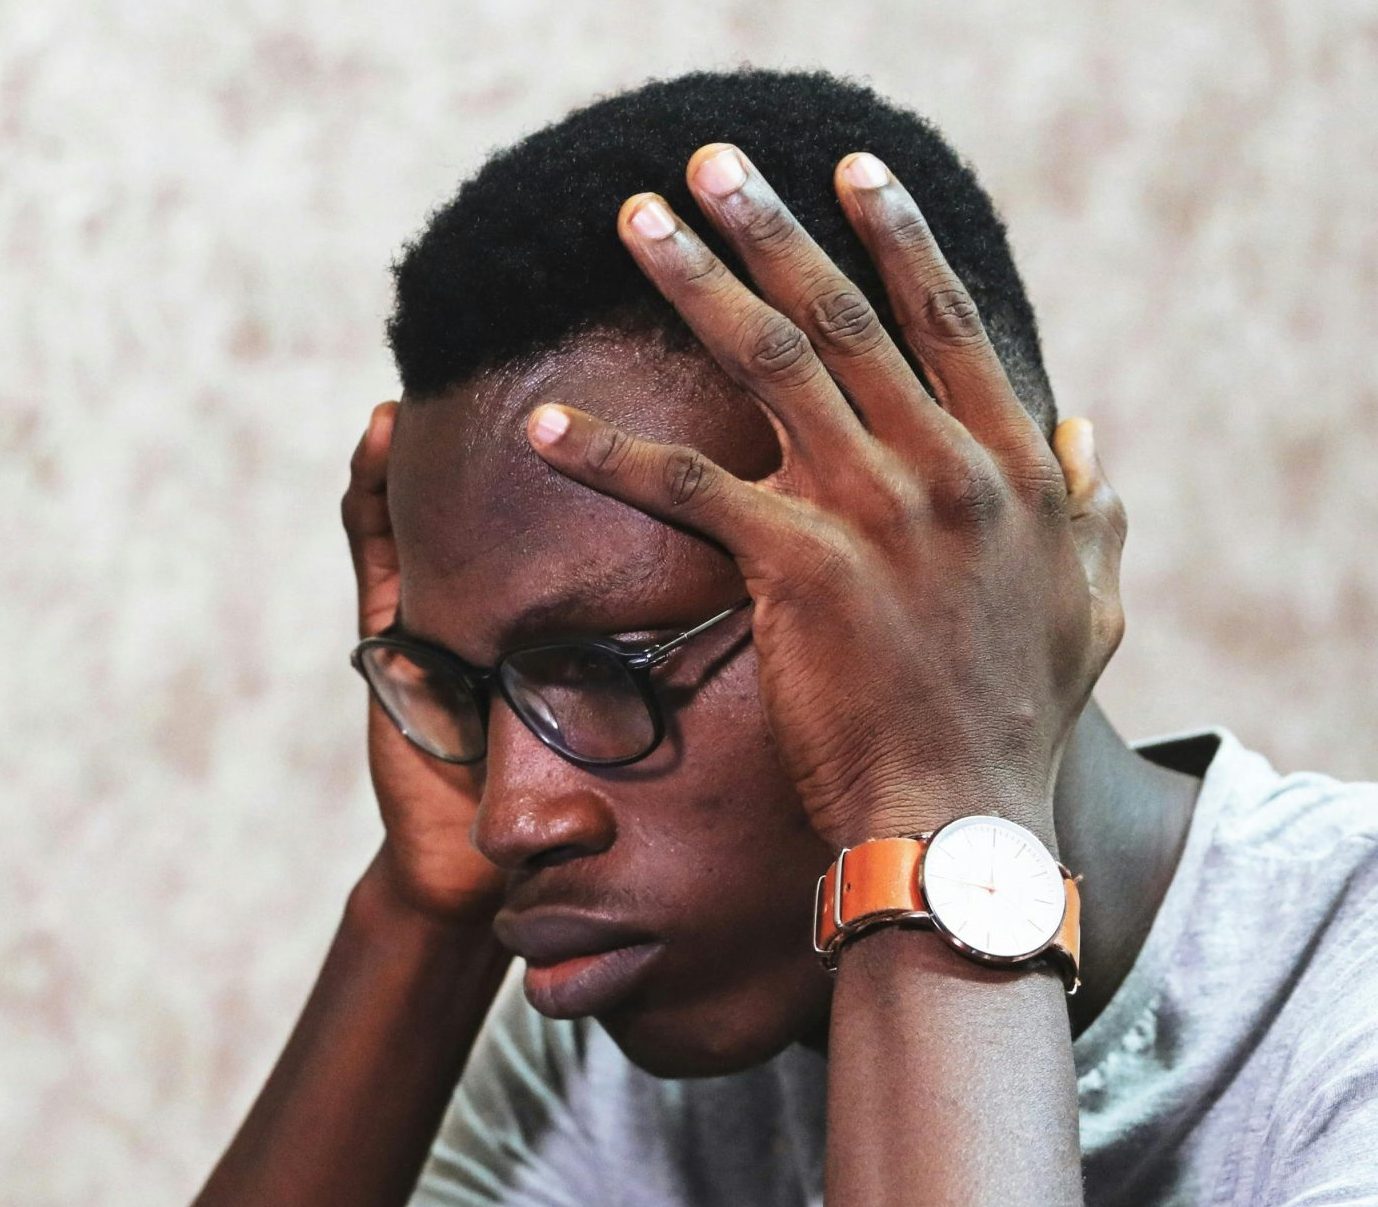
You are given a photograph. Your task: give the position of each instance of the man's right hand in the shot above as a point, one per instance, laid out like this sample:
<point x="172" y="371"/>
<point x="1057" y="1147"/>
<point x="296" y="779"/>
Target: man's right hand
<point x="427" y="861"/>
<point x="354" y="1101"/>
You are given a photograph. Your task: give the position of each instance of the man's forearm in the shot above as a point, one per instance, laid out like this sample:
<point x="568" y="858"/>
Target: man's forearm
<point x="947" y="1083"/>
<point x="352" y="1106"/>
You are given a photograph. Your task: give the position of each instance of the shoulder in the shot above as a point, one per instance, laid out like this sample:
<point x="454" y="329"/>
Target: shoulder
<point x="1308" y="842"/>
<point x="1328" y="1132"/>
<point x="1275" y="958"/>
<point x="1276" y="898"/>
<point x="1303" y="817"/>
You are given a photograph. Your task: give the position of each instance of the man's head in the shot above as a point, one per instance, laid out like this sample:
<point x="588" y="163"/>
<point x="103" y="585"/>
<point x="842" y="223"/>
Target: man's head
<point x="518" y="293"/>
<point x="526" y="256"/>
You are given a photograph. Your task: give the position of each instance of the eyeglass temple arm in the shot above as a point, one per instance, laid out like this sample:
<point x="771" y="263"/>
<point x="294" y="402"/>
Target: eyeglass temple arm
<point x="660" y="652"/>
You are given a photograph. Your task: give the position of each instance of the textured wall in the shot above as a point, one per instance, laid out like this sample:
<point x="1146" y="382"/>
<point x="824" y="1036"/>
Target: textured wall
<point x="197" y="207"/>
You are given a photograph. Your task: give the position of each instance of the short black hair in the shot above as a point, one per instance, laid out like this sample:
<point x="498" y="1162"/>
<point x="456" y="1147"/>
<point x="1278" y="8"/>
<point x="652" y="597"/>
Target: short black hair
<point x="526" y="255"/>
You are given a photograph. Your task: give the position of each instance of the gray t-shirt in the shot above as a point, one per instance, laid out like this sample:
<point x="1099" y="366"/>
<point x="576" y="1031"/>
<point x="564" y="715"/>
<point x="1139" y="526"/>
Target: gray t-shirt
<point x="1237" y="1063"/>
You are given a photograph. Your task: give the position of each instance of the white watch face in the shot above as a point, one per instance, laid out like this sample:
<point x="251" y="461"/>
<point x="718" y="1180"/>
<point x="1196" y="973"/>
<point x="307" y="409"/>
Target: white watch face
<point x="993" y="886"/>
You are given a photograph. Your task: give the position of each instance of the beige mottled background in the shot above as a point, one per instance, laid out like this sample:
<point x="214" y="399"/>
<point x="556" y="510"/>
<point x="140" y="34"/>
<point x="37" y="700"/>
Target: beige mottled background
<point x="198" y="204"/>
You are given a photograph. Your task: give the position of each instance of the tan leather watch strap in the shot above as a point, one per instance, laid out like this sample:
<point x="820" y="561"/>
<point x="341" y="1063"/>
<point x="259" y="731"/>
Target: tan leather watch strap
<point x="880" y="882"/>
<point x="882" y="877"/>
<point x="1068" y="941"/>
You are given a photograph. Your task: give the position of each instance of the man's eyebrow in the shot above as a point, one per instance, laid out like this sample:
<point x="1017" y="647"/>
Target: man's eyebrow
<point x="588" y="589"/>
<point x="539" y="615"/>
<point x="554" y="612"/>
<point x="400" y="628"/>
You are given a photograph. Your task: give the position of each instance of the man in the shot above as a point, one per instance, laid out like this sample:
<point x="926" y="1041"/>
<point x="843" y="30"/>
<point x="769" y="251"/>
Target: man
<point x="680" y="592"/>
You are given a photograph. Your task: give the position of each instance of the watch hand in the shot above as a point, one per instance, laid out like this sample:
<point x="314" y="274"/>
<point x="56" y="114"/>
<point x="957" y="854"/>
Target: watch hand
<point x="990" y="888"/>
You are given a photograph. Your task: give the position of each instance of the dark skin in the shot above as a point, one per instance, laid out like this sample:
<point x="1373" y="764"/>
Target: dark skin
<point x="829" y="518"/>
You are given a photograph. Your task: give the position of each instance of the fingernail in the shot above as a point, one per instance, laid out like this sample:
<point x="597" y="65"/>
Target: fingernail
<point x="653" y="220"/>
<point x="865" y="171"/>
<point x="722" y="173"/>
<point x="551" y="423"/>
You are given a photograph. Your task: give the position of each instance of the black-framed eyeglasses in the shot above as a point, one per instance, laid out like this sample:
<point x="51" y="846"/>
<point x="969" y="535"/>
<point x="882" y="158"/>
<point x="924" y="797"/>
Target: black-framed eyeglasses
<point x="590" y="699"/>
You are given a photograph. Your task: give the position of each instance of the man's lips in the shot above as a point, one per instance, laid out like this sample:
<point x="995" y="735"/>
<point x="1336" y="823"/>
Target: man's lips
<point x="549" y="936"/>
<point x="576" y="963"/>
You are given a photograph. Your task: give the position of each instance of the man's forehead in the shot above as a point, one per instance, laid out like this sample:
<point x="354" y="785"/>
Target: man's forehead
<point x="657" y="388"/>
<point x="478" y="514"/>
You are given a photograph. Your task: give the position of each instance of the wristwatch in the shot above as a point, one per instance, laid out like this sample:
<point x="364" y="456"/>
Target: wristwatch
<point x="988" y="886"/>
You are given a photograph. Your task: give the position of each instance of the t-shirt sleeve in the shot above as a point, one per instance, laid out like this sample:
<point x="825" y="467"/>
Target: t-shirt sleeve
<point x="512" y="1134"/>
<point x="1326" y="1151"/>
<point x="1332" y="1157"/>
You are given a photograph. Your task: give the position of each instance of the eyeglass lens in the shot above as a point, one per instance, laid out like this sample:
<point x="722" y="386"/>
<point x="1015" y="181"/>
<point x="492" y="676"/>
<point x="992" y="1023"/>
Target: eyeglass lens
<point x="580" y="699"/>
<point x="429" y="703"/>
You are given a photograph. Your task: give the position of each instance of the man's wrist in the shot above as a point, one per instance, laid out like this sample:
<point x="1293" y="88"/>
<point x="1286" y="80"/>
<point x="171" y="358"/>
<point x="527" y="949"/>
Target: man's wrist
<point x="896" y="954"/>
<point x="922" y="808"/>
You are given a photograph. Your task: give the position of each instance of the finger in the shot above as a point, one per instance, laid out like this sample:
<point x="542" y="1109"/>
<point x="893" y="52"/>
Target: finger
<point x="798" y="278"/>
<point x="671" y="482"/>
<point x="939" y="320"/>
<point x="757" y="346"/>
<point x="364" y="510"/>
<point x="1099" y="526"/>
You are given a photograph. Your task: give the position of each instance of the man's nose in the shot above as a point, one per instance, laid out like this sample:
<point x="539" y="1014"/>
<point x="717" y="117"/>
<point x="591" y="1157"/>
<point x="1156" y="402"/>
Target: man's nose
<point x="536" y="809"/>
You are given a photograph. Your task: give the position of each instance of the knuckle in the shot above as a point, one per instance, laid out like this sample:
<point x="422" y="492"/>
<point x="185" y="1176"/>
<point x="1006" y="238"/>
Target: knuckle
<point x="893" y="505"/>
<point x="1108" y="624"/>
<point x="774" y="349"/>
<point x="1046" y="489"/>
<point x="913" y="233"/>
<point x="359" y="459"/>
<point x="845" y="320"/>
<point x="1050" y="502"/>
<point x="975" y="497"/>
<point x="768" y="228"/>
<point x="950" y="316"/>
<point x="607" y="450"/>
<point x="702" y="267"/>
<point x="1112" y="507"/>
<point x="689" y="478"/>
<point x="349" y="510"/>
<point x="1114" y="625"/>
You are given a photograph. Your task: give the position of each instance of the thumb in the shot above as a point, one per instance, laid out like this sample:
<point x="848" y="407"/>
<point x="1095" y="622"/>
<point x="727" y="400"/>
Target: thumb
<point x="364" y="510"/>
<point x="1099" y="526"/>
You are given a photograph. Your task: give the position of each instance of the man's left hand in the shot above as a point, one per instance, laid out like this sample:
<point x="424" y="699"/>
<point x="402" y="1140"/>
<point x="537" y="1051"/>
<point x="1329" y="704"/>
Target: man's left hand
<point x="935" y="591"/>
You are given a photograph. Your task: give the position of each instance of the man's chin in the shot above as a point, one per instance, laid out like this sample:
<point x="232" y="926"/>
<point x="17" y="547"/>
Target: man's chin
<point x="682" y="1043"/>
